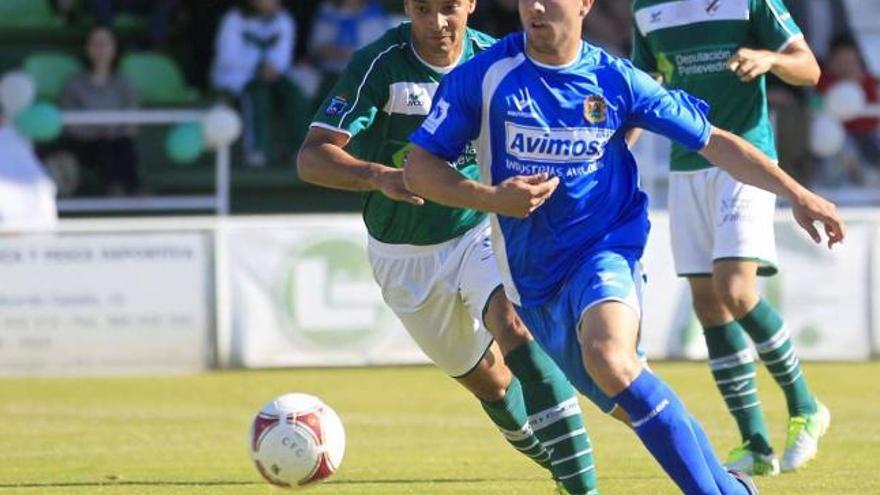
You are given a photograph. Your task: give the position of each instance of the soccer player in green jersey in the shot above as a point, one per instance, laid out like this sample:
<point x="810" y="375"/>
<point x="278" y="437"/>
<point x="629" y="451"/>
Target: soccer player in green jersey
<point x="435" y="264"/>
<point x="722" y="229"/>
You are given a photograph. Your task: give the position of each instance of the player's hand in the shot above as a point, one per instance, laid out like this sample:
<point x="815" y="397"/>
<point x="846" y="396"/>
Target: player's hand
<point x="748" y="64"/>
<point x="811" y="208"/>
<point x="390" y="183"/>
<point x="521" y="195"/>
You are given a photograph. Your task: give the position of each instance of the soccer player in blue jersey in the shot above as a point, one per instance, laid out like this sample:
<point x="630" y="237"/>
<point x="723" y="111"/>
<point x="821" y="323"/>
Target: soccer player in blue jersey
<point x="548" y="114"/>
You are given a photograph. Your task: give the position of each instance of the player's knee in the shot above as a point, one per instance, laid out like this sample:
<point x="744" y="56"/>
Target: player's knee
<point x="611" y="367"/>
<point x="505" y="326"/>
<point x="489" y="381"/>
<point x="492" y="391"/>
<point x="707" y="306"/>
<point x="737" y="294"/>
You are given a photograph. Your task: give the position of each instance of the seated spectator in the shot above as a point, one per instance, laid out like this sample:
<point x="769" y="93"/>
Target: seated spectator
<point x="108" y="148"/>
<point x="845" y="63"/>
<point x="253" y="57"/>
<point x="160" y="12"/>
<point x="340" y="28"/>
<point x="27" y="194"/>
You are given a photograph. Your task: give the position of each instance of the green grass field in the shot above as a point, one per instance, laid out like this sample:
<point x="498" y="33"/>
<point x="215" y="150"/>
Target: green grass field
<point x="410" y="431"/>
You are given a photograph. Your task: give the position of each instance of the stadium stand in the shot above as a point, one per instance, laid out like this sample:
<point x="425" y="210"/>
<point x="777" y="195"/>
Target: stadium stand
<point x="158" y="79"/>
<point x="28" y="14"/>
<point x="49" y="71"/>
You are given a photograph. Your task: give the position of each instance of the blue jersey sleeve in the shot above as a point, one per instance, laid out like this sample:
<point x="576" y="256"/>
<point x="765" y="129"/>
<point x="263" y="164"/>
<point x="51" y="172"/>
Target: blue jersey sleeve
<point x="672" y="113"/>
<point x="454" y="120"/>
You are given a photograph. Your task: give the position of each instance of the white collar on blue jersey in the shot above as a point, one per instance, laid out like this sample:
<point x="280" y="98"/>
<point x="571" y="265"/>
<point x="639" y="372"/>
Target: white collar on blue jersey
<point x="550" y="66"/>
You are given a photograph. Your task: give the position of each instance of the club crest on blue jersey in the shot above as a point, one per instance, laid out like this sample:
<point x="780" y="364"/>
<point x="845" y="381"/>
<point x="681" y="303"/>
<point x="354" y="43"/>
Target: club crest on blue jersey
<point x="595" y="109"/>
<point x="336" y="106"/>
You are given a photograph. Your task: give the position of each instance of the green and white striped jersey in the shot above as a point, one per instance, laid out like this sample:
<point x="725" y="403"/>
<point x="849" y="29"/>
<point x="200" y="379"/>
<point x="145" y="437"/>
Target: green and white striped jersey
<point x="688" y="42"/>
<point x="380" y="99"/>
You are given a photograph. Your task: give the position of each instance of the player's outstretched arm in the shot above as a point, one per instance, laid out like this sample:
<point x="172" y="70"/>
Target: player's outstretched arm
<point x="795" y="65"/>
<point x="323" y="161"/>
<point x="748" y="164"/>
<point x="433" y="178"/>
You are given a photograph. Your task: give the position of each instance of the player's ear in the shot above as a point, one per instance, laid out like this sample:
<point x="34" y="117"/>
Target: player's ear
<point x="472" y="7"/>
<point x="586" y="6"/>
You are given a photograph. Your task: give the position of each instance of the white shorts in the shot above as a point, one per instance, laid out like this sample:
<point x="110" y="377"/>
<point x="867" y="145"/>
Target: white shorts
<point x="714" y="217"/>
<point x="439" y="292"/>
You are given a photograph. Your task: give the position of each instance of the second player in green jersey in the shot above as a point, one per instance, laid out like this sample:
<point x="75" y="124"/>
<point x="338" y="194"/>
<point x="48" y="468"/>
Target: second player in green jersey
<point x="722" y="229"/>
<point x="379" y="101"/>
<point x="689" y="43"/>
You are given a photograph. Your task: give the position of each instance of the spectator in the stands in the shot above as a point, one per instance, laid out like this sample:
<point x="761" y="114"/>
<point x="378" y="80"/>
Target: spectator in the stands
<point x="862" y="154"/>
<point x="27" y="194"/>
<point x="110" y="149"/>
<point x="254" y="54"/>
<point x="339" y="29"/>
<point x="160" y="14"/>
<point x="304" y="13"/>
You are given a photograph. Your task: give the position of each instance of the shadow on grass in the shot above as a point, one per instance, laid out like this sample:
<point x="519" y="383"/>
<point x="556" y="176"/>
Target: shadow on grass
<point x="344" y="481"/>
<point x="111" y="483"/>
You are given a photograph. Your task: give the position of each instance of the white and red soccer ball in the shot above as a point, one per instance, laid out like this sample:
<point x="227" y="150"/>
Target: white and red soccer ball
<point x="296" y="440"/>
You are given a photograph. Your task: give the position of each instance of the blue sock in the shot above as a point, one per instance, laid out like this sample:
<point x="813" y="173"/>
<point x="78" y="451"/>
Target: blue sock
<point x="664" y="426"/>
<point x="723" y="480"/>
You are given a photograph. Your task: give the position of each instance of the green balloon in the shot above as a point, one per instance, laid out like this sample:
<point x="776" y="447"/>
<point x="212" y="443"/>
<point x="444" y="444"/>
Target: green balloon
<point x="40" y="122"/>
<point x="184" y="143"/>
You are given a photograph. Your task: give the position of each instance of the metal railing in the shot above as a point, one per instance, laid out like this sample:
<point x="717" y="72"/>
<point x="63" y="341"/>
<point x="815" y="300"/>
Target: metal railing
<point x="219" y="201"/>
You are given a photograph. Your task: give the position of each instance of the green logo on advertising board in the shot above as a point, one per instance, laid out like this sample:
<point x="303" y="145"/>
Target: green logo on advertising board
<point x="329" y="296"/>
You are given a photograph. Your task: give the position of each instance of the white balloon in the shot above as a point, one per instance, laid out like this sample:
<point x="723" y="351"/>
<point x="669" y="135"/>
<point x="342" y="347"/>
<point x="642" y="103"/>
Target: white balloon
<point x="845" y="100"/>
<point x="17" y="92"/>
<point x="221" y="126"/>
<point x="827" y="136"/>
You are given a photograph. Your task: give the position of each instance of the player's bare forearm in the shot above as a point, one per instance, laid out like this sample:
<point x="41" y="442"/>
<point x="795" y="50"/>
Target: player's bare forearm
<point x="323" y="161"/>
<point x="749" y="165"/>
<point x="797" y="65"/>
<point x="433" y="179"/>
<point x="518" y="196"/>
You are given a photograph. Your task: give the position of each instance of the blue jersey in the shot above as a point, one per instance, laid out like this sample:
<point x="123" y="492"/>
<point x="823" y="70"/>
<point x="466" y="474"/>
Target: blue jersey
<point x="569" y="121"/>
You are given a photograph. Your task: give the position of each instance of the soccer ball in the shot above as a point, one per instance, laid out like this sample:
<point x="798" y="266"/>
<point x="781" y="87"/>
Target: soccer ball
<point x="296" y="440"/>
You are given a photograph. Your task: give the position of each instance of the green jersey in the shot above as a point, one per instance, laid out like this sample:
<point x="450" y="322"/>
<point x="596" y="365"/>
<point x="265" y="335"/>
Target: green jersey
<point x="689" y="41"/>
<point x="380" y="99"/>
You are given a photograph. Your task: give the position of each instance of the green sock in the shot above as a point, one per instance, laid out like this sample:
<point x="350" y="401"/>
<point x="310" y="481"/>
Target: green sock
<point x="555" y="417"/>
<point x="510" y="416"/>
<point x="764" y="325"/>
<point x="733" y="367"/>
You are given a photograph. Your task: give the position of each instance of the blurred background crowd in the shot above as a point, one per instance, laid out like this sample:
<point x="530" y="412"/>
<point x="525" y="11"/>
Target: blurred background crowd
<point x="275" y="60"/>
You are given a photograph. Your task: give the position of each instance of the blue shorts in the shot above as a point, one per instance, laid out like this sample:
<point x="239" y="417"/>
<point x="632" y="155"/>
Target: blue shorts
<point x="603" y="276"/>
